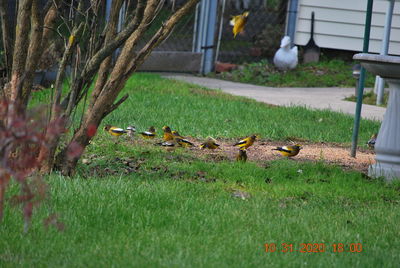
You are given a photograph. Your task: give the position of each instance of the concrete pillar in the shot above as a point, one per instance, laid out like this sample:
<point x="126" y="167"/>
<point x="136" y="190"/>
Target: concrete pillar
<point x="387" y="145"/>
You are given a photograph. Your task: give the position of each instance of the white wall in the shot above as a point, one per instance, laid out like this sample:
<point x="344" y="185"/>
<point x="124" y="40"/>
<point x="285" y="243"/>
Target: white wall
<point x="339" y="24"/>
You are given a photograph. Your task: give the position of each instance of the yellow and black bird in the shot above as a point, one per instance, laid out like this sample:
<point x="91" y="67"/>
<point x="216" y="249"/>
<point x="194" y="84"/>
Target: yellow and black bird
<point x="210" y="143"/>
<point x="182" y="141"/>
<point x="114" y="131"/>
<point x="238" y="22"/>
<point x="167" y="136"/>
<point x="290" y="150"/>
<point x="372" y="141"/>
<point x="242" y="155"/>
<point x="246" y="142"/>
<point x="149" y="134"/>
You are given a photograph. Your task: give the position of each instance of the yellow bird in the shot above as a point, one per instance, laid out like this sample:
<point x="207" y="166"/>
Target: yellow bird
<point x="150" y="134"/>
<point x="167" y="134"/>
<point x="114" y="131"/>
<point x="290" y="150"/>
<point x="210" y="143"/>
<point x="242" y="155"/>
<point x="246" y="142"/>
<point x="182" y="141"/>
<point x="238" y="22"/>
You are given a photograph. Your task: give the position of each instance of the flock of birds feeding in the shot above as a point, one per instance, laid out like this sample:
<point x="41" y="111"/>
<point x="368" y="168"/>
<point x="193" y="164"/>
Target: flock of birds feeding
<point x="285" y="58"/>
<point x="172" y="138"/>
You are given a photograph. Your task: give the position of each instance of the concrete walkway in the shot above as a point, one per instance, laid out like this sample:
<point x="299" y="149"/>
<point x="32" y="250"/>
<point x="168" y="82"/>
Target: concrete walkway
<point x="313" y="98"/>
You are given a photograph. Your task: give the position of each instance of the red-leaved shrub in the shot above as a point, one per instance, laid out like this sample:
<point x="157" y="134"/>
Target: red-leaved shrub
<point x="22" y="136"/>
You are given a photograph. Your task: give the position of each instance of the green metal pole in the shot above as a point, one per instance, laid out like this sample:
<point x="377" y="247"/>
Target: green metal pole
<point x="360" y="90"/>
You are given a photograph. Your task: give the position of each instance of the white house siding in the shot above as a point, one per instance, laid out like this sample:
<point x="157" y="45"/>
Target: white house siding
<point x="339" y="24"/>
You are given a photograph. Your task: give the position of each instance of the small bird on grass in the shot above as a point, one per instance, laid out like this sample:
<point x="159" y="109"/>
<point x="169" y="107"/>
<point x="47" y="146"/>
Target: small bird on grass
<point x="114" y="131"/>
<point x="182" y="141"/>
<point x="131" y="131"/>
<point x="238" y="22"/>
<point x="167" y="136"/>
<point x="150" y="134"/>
<point x="372" y="141"/>
<point x="210" y="143"/>
<point x="246" y="142"/>
<point x="242" y="155"/>
<point x="166" y="143"/>
<point x="290" y="150"/>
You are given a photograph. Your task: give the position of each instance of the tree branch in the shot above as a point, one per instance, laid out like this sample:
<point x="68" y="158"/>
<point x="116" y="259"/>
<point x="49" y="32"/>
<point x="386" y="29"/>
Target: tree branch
<point x="61" y="70"/>
<point x="20" y="48"/>
<point x="33" y="50"/>
<point x="115" y="105"/>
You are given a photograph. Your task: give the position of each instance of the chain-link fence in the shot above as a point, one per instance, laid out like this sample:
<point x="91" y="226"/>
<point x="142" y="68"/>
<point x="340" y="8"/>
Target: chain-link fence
<point x="261" y="38"/>
<point x="262" y="34"/>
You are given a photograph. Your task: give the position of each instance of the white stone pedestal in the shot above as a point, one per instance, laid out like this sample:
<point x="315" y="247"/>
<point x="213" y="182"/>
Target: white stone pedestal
<point x="387" y="146"/>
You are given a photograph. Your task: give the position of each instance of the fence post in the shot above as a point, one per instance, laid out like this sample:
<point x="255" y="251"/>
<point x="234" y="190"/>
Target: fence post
<point x="380" y="82"/>
<point x="208" y="48"/>
<point x="205" y="33"/>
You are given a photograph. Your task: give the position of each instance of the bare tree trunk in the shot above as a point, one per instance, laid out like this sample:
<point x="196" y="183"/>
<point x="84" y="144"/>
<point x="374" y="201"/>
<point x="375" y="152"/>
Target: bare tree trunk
<point x="48" y="153"/>
<point x="33" y="51"/>
<point x="20" y="49"/>
<point x="49" y="22"/>
<point x="105" y="66"/>
<point x="123" y="69"/>
<point x="6" y="35"/>
<point x="39" y="38"/>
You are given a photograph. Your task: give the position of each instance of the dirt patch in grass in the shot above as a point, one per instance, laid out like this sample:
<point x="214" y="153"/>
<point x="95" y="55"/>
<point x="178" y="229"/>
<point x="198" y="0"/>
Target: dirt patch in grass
<point x="262" y="151"/>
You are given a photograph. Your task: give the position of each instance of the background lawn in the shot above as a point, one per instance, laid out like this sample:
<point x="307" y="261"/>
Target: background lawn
<point x="325" y="73"/>
<point x="136" y="204"/>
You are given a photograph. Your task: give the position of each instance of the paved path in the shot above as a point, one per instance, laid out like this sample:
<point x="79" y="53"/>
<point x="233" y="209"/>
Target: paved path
<point x="314" y="98"/>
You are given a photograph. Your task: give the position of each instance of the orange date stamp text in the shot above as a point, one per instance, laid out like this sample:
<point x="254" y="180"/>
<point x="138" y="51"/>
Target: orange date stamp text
<point x="313" y="247"/>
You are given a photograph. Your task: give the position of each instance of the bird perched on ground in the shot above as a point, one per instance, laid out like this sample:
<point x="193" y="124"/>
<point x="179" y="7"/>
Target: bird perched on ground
<point x="242" y="155"/>
<point x="166" y="143"/>
<point x="246" y="142"/>
<point x="372" y="141"/>
<point x="286" y="58"/>
<point x="290" y="150"/>
<point x="238" y="22"/>
<point x="167" y="134"/>
<point x="114" y="131"/>
<point x="149" y="134"/>
<point x="182" y="141"/>
<point x="210" y="143"/>
<point x="131" y="131"/>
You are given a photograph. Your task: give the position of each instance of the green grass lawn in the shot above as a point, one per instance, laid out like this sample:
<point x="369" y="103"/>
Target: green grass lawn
<point x="143" y="206"/>
<point x="326" y="73"/>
